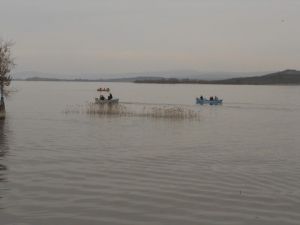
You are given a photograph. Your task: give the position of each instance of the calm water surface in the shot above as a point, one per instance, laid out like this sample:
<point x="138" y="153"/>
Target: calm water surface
<point x="238" y="164"/>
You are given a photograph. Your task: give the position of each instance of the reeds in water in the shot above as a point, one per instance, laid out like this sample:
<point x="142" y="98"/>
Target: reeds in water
<point x="167" y="111"/>
<point x="138" y="110"/>
<point x="107" y="109"/>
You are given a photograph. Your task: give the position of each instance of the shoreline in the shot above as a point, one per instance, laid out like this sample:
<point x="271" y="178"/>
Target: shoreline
<point x="154" y="82"/>
<point x="286" y="77"/>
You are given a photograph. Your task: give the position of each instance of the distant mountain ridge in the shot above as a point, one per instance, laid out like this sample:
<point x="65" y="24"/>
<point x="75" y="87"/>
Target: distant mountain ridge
<point x="178" y="74"/>
<point x="126" y="79"/>
<point x="291" y="77"/>
<point x="282" y="77"/>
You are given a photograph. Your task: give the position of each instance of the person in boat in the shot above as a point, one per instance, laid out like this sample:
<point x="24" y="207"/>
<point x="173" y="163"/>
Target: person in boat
<point x="211" y="98"/>
<point x="109" y="96"/>
<point x="216" y="98"/>
<point x="102" y="97"/>
<point x="201" y="97"/>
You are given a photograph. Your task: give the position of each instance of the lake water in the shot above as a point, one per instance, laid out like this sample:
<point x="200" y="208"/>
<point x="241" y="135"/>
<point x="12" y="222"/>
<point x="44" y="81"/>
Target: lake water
<point x="238" y="163"/>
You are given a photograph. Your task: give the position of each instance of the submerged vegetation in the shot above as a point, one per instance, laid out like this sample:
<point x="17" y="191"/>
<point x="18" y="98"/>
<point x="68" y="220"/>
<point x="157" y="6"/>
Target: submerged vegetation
<point x="136" y="110"/>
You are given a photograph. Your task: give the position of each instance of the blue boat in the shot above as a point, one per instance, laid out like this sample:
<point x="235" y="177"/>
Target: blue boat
<point x="210" y="102"/>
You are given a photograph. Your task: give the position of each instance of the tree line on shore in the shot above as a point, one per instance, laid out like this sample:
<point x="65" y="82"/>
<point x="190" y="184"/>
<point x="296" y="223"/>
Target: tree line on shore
<point x="291" y="77"/>
<point x="286" y="77"/>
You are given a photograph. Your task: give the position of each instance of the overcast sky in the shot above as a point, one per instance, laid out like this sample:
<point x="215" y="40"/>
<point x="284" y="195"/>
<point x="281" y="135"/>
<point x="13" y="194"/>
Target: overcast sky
<point x="116" y="36"/>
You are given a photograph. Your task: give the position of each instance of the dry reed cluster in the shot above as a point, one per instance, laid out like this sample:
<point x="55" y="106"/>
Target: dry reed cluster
<point x="139" y="110"/>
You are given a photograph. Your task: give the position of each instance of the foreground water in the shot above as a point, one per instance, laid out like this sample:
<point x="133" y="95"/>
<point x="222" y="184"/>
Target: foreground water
<point x="237" y="164"/>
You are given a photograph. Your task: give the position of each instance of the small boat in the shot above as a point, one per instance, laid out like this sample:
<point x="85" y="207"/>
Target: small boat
<point x="210" y="102"/>
<point x="108" y="100"/>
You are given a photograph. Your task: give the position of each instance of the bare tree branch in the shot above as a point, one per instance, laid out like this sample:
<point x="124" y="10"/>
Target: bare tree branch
<point x="6" y="65"/>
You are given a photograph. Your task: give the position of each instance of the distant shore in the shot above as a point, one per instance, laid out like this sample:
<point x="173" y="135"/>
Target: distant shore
<point x="286" y="77"/>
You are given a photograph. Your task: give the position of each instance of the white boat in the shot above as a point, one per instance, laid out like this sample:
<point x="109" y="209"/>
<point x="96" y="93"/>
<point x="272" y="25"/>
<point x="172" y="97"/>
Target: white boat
<point x="204" y="101"/>
<point x="108" y="100"/>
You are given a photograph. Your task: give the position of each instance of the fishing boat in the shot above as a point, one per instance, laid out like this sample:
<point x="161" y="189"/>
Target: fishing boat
<point x="214" y="101"/>
<point x="105" y="97"/>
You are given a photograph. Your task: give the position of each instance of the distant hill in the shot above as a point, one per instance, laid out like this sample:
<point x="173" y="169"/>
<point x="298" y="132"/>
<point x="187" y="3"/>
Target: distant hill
<point x="127" y="79"/>
<point x="178" y="74"/>
<point x="283" y="77"/>
<point x="286" y="77"/>
<point x="174" y="81"/>
<point x="41" y="79"/>
<point x="291" y="77"/>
